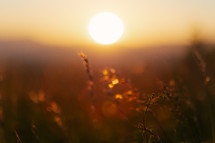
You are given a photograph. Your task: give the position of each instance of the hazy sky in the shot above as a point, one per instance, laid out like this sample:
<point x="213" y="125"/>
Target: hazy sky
<point x="147" y="22"/>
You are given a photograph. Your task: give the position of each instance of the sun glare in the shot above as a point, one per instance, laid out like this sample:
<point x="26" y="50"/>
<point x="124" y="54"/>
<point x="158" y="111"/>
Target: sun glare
<point x="106" y="28"/>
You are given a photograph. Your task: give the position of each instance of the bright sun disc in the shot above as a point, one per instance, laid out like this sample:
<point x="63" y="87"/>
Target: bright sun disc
<point x="105" y="28"/>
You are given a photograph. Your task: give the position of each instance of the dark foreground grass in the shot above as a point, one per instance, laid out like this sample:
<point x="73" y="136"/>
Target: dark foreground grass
<point x="44" y="104"/>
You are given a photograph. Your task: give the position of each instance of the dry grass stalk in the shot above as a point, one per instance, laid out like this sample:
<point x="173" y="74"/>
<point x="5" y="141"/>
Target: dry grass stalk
<point x="18" y="138"/>
<point x="86" y="64"/>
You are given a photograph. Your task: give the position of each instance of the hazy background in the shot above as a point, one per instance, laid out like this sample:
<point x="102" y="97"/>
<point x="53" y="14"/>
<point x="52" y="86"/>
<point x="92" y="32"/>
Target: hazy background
<point x="147" y="23"/>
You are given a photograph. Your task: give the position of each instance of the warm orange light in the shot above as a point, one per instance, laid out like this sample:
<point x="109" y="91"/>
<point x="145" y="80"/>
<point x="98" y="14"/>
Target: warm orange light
<point x="115" y="81"/>
<point x="118" y="96"/>
<point x="106" y="28"/>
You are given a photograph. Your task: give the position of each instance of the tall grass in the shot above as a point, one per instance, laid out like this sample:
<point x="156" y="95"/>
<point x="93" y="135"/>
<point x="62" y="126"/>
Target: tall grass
<point x="106" y="106"/>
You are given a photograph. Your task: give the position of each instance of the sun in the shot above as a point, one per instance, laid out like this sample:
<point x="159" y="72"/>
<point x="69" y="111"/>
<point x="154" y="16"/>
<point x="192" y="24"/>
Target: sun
<point x="106" y="28"/>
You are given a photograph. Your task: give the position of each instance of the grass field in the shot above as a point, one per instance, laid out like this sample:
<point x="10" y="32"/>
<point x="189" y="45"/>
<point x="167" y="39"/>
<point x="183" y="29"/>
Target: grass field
<point x="134" y="99"/>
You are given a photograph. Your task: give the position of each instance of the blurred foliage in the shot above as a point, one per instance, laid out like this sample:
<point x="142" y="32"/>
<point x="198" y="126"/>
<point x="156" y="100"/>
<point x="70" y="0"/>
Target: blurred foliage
<point x="57" y="104"/>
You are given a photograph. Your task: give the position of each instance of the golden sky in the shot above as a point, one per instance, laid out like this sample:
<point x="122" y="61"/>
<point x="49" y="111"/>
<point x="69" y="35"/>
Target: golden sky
<point x="146" y="22"/>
